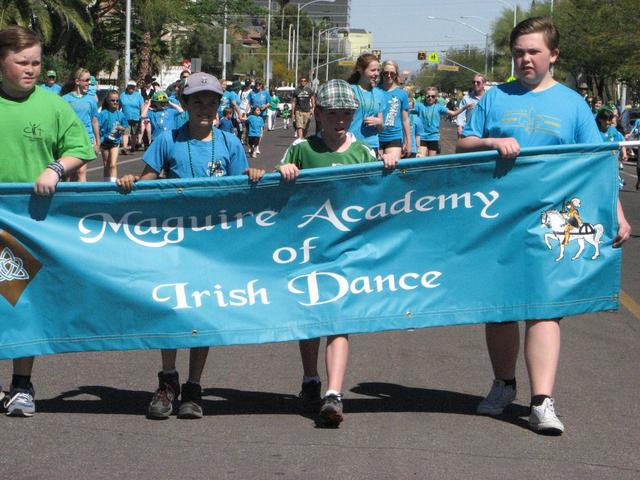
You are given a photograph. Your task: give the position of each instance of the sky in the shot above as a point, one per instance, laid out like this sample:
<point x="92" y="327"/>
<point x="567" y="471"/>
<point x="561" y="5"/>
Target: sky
<point x="401" y="28"/>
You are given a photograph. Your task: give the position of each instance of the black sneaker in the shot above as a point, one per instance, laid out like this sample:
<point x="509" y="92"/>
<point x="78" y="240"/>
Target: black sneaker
<point x="309" y="396"/>
<point x="161" y="405"/>
<point x="331" y="411"/>
<point x="191" y="401"/>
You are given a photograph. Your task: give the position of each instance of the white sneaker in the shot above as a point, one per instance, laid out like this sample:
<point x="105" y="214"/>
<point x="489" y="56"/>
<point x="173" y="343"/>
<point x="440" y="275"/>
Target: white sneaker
<point x="1" y="393"/>
<point x="254" y="155"/>
<point x="543" y="418"/>
<point x="499" y="397"/>
<point x="258" y="150"/>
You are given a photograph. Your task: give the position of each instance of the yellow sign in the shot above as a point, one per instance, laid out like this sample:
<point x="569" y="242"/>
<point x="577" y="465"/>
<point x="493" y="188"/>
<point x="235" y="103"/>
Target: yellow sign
<point x="433" y="57"/>
<point x="347" y="63"/>
<point x="511" y="78"/>
<point x="448" y="68"/>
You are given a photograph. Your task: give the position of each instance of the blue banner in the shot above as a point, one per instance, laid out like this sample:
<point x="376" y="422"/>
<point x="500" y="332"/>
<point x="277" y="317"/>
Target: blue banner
<point x="449" y="240"/>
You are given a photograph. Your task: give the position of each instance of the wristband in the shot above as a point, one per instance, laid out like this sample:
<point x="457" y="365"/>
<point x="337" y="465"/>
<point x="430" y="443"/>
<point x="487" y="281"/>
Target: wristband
<point x="58" y="168"/>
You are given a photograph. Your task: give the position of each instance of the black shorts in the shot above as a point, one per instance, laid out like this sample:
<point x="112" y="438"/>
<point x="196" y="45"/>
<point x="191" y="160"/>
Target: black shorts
<point x="431" y="145"/>
<point x="108" y="145"/>
<point x="254" y="141"/>
<point x="391" y="143"/>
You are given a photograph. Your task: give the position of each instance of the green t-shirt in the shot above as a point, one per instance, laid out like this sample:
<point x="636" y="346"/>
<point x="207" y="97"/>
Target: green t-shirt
<point x="313" y="153"/>
<point x="38" y="130"/>
<point x="273" y="103"/>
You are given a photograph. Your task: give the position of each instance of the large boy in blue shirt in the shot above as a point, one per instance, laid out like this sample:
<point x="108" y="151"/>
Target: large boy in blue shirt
<point x="554" y="115"/>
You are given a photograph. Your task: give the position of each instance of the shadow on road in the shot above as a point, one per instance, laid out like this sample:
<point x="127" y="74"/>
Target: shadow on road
<point x="385" y="397"/>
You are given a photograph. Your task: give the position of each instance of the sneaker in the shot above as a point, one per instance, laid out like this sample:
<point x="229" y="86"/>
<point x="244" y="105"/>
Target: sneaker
<point x="1" y="393"/>
<point x="254" y="155"/>
<point x="258" y="150"/>
<point x="309" y="396"/>
<point x="543" y="419"/>
<point x="20" y="402"/>
<point x="499" y="397"/>
<point x="191" y="401"/>
<point x="161" y="405"/>
<point x="331" y="411"/>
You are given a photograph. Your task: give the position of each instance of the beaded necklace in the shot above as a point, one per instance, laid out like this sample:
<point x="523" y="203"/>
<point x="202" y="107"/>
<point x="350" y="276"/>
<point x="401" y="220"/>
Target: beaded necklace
<point x="215" y="168"/>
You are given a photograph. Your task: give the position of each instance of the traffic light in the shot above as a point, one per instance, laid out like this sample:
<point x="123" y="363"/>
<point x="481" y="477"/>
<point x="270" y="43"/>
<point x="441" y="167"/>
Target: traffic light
<point x="377" y="53"/>
<point x="422" y="55"/>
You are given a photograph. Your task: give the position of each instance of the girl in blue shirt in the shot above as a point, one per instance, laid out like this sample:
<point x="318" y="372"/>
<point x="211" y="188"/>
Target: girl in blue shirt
<point x="113" y="123"/>
<point x="196" y="149"/>
<point x="395" y="137"/>
<point x="75" y="92"/>
<point x="161" y="114"/>
<point x="255" y="127"/>
<point x="367" y="119"/>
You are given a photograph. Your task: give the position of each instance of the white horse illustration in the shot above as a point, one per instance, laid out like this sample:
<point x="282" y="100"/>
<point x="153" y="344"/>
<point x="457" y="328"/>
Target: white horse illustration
<point x="555" y="221"/>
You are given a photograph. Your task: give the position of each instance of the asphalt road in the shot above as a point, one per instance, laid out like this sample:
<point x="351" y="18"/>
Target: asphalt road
<point x="410" y="401"/>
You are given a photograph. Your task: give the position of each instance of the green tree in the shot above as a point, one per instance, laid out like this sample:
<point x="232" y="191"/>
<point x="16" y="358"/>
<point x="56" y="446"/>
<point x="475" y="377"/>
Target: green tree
<point x="49" y="18"/>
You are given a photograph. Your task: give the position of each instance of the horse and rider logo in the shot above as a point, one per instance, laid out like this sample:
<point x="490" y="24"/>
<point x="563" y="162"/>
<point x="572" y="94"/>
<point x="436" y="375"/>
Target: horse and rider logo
<point x="566" y="226"/>
<point x="17" y="268"/>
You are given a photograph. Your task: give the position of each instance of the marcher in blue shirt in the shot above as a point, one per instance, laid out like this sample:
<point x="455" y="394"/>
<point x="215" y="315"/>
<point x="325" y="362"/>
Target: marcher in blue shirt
<point x="230" y="99"/>
<point x="226" y="121"/>
<point x="605" y="119"/>
<point x="197" y="149"/>
<point x="430" y="112"/>
<point x="113" y="123"/>
<point x="161" y="114"/>
<point x="131" y="102"/>
<point x="74" y="92"/>
<point x="533" y="110"/>
<point x="259" y="97"/>
<point x="395" y="137"/>
<point x="51" y="84"/>
<point x="255" y="127"/>
<point x="367" y="119"/>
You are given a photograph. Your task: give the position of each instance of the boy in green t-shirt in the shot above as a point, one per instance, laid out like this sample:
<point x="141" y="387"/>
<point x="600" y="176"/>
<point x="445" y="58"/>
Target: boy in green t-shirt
<point x="332" y="146"/>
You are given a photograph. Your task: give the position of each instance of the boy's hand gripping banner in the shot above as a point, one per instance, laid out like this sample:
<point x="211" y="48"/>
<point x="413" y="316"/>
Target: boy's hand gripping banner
<point x="450" y="240"/>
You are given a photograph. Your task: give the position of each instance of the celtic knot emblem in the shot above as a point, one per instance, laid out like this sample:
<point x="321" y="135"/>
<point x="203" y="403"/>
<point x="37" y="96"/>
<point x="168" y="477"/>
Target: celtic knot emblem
<point x="11" y="267"/>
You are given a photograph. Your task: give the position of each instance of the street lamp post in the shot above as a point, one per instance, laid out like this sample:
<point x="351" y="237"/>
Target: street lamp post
<point x="267" y="67"/>
<point x="127" y="43"/>
<point x="486" y="37"/>
<point x="320" y="33"/>
<point x="300" y="7"/>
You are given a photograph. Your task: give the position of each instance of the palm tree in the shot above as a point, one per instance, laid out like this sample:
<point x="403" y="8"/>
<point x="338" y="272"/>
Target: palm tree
<point x="49" y="18"/>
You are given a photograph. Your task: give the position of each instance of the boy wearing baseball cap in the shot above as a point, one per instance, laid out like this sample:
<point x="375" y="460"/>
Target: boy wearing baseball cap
<point x="196" y="149"/>
<point x="334" y="145"/>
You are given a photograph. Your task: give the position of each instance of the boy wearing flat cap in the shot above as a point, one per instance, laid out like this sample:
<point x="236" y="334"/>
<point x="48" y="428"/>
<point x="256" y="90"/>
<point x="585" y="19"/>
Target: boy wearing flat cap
<point x="334" y="145"/>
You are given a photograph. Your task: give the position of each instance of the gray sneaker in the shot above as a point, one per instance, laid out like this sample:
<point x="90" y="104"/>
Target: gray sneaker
<point x="500" y="396"/>
<point x="20" y="402"/>
<point x="331" y="411"/>
<point x="161" y="405"/>
<point x="543" y="419"/>
<point x="191" y="401"/>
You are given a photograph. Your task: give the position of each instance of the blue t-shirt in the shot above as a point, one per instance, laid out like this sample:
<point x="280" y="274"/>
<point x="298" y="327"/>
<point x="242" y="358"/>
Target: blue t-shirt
<point x="55" y="88"/>
<point x="108" y="122"/>
<point x="430" y="116"/>
<point x="555" y="116"/>
<point x="228" y="97"/>
<point x="257" y="99"/>
<point x="131" y="104"/>
<point x="394" y="103"/>
<point x="370" y="106"/>
<point x="416" y="126"/>
<point x="612" y="135"/>
<point x="226" y="125"/>
<point x="183" y="157"/>
<point x="255" y="125"/>
<point x="86" y="109"/>
<point x="162" y="120"/>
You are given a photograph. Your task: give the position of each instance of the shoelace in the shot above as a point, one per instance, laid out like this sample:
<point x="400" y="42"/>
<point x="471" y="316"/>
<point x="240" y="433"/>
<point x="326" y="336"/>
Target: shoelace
<point x="20" y="396"/>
